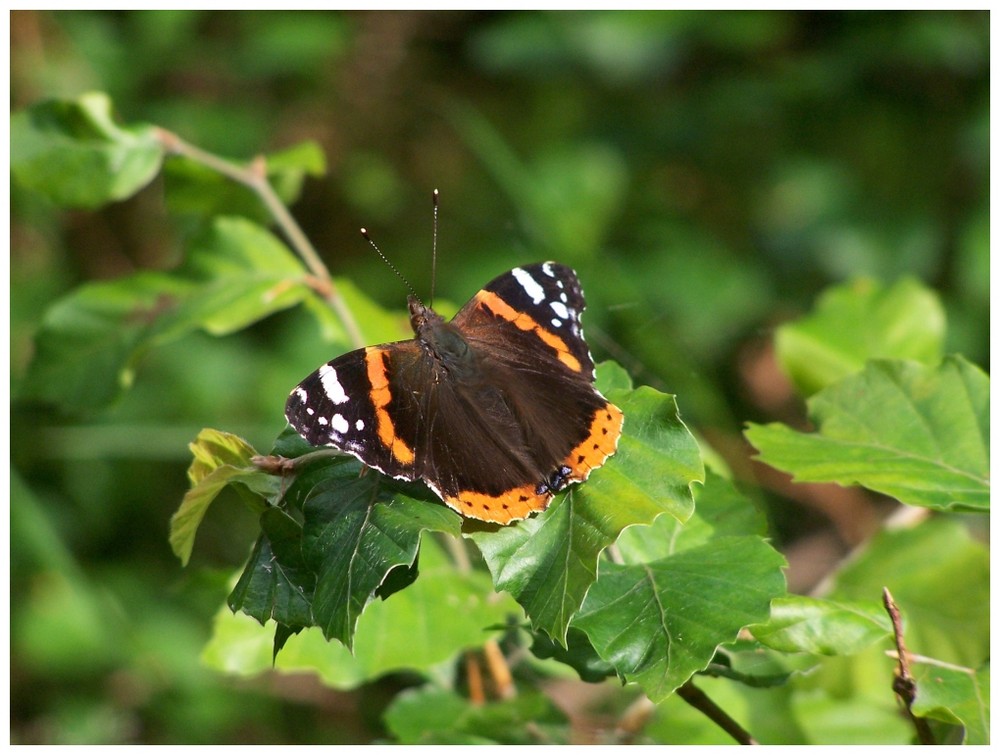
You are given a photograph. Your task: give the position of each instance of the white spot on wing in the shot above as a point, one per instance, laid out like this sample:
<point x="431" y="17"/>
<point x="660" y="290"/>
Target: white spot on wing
<point x="556" y="322"/>
<point x="339" y="424"/>
<point x="360" y="424"/>
<point x="334" y="390"/>
<point x="529" y="284"/>
<point x="547" y="269"/>
<point x="560" y="309"/>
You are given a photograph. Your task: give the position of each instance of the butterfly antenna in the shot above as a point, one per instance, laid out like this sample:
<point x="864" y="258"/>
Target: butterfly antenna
<point x="434" y="246"/>
<point x="364" y="232"/>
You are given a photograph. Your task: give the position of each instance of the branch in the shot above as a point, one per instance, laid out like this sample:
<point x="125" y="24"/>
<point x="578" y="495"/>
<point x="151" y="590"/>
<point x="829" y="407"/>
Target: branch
<point x="280" y="465"/>
<point x="903" y="683"/>
<point x="698" y="699"/>
<point x="254" y="177"/>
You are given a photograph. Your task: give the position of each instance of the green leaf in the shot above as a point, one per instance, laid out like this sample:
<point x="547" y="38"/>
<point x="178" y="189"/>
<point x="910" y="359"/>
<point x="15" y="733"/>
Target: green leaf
<point x="612" y="376"/>
<point x="917" y="433"/>
<point x="220" y="459"/>
<point x="721" y="510"/>
<point x="276" y="583"/>
<point x="243" y="273"/>
<point x="91" y="341"/>
<point x="445" y="611"/>
<point x="356" y="530"/>
<point x="430" y="715"/>
<point x="939" y="577"/>
<point x="859" y="321"/>
<point x="722" y="515"/>
<point x="549" y="562"/>
<point x="956" y="695"/>
<point x="660" y="622"/>
<point x="88" y="342"/>
<point x="823" y="627"/>
<point x="73" y="152"/>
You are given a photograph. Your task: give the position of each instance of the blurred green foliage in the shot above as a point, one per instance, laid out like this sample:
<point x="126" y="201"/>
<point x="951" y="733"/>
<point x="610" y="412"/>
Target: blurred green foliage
<point x="707" y="174"/>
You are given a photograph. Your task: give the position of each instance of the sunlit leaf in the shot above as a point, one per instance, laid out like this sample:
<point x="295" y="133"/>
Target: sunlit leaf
<point x="939" y="577"/>
<point x="660" y="622"/>
<point x="720" y="510"/>
<point x="90" y="342"/>
<point x="220" y="459"/>
<point x="956" y="695"/>
<point x="859" y="321"/>
<point x="800" y="624"/>
<point x="74" y="153"/>
<point x="917" y="433"/>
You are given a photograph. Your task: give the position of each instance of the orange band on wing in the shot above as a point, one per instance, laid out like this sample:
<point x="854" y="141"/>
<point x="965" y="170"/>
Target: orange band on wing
<point x="381" y="396"/>
<point x="600" y="443"/>
<point x="518" y="503"/>
<point x="500" y="308"/>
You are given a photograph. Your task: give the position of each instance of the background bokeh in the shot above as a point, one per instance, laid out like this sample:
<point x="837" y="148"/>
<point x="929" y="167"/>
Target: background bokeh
<point x="707" y="174"/>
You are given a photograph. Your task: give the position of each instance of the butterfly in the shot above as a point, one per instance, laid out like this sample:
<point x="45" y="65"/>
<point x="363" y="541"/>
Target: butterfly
<point x="495" y="410"/>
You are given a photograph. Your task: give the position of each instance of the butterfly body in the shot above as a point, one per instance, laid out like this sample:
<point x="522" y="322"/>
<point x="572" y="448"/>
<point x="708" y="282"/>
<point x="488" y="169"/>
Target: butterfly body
<point x="495" y="411"/>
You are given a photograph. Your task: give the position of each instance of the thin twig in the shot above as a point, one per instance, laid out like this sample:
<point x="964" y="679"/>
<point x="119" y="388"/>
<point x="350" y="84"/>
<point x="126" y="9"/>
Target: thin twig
<point x="903" y="683"/>
<point x="279" y="465"/>
<point x="254" y="177"/>
<point x="699" y="700"/>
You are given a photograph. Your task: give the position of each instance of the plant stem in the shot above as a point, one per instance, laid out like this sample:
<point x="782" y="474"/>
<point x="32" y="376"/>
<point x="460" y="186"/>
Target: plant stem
<point x="279" y="465"/>
<point x="254" y="177"/>
<point x="698" y="699"/>
<point x="903" y="683"/>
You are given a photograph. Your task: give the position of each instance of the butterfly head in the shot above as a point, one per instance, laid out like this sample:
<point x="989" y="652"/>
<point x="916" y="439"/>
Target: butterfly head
<point x="421" y="316"/>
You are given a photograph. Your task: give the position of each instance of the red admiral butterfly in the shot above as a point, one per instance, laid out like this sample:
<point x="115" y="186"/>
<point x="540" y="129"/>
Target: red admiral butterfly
<point x="496" y="410"/>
